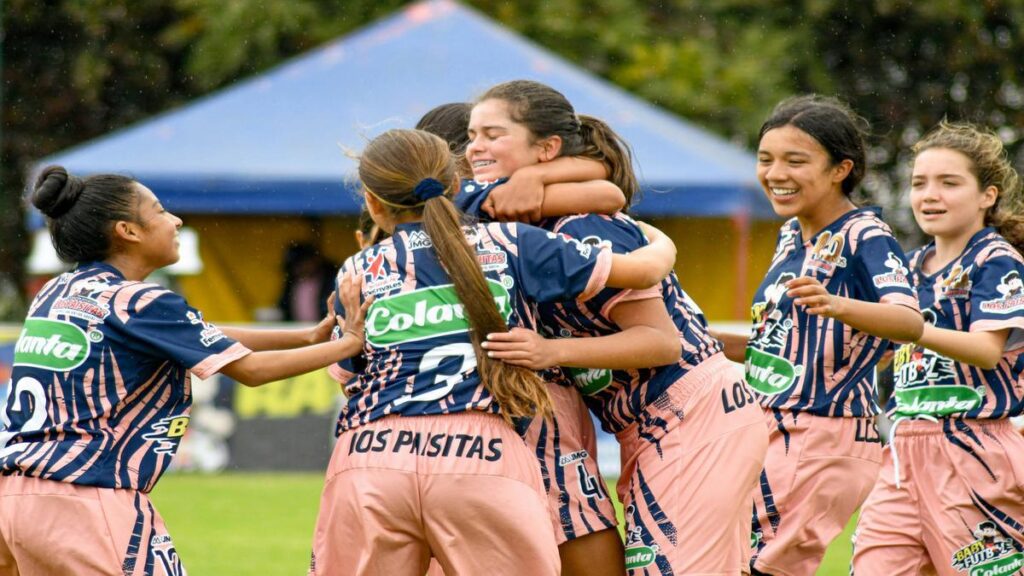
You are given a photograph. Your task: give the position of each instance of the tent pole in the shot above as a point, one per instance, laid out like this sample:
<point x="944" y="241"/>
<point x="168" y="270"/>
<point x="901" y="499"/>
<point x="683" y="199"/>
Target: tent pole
<point x="741" y="227"/>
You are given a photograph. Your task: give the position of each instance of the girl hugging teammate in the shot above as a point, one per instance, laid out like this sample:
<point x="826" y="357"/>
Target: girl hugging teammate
<point x="427" y="463"/>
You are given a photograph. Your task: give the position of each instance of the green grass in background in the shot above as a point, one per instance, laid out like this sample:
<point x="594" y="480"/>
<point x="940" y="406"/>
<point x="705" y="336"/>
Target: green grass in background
<point x="247" y="524"/>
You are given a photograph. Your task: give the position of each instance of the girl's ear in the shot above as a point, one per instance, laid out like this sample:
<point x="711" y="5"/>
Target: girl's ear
<point x="841" y="170"/>
<point x="550" y="148"/>
<point x="126" y="232"/>
<point x="989" y="196"/>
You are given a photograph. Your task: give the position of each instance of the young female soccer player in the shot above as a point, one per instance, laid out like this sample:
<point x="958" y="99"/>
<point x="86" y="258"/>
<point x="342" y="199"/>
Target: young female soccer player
<point x="835" y="294"/>
<point x="686" y="504"/>
<point x="101" y="392"/>
<point x="950" y="497"/>
<point x="425" y="465"/>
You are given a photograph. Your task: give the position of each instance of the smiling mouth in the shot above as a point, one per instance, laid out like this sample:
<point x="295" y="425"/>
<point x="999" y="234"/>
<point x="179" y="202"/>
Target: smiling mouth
<point x="933" y="212"/>
<point x="783" y="192"/>
<point x="482" y="163"/>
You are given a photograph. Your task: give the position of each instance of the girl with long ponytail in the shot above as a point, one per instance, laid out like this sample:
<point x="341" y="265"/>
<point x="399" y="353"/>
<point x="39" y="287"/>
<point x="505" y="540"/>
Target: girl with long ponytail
<point x="427" y="463"/>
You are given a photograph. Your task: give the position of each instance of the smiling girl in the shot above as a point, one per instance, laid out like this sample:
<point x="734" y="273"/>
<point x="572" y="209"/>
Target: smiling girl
<point x="835" y="294"/>
<point x="950" y="497"/>
<point x="101" y="383"/>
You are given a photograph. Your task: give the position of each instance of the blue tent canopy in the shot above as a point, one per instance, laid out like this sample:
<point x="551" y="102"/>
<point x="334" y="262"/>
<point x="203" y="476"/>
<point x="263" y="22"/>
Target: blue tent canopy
<point x="276" y="143"/>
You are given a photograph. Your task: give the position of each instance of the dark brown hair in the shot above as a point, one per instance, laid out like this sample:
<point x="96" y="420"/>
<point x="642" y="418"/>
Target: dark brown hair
<point x="81" y="212"/>
<point x="830" y="121"/>
<point x="391" y="167"/>
<point x="546" y="112"/>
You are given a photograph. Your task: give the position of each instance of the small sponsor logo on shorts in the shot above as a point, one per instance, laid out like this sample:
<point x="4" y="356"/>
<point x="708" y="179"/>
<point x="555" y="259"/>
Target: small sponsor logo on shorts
<point x="990" y="554"/>
<point x="639" y="554"/>
<point x="470" y="446"/>
<point x="51" y="344"/>
<point x="573" y="457"/>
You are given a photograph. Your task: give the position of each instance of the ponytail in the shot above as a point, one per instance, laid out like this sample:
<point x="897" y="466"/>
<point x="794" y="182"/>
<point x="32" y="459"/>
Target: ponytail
<point x="601" y="143"/>
<point x="413" y="171"/>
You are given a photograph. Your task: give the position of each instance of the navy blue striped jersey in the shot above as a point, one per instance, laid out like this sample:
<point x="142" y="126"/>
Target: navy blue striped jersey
<point x="982" y="289"/>
<point x="619" y="397"/>
<point x="806" y="363"/>
<point x="420" y="360"/>
<point x="100" y="390"/>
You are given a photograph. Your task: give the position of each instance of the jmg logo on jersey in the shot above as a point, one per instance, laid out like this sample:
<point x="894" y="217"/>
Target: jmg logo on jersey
<point x="425" y="313"/>
<point x="51" y="344"/>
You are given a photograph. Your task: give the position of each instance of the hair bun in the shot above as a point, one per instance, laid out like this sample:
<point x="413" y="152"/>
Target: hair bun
<point x="56" y="191"/>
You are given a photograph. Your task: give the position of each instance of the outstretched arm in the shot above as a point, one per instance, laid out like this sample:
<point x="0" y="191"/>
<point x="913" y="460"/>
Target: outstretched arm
<point x="983" y="349"/>
<point x="257" y="339"/>
<point x="268" y="366"/>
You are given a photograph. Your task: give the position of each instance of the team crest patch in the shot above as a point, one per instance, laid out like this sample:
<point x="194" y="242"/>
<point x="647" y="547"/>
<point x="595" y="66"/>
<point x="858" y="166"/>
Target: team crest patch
<point x="639" y="554"/>
<point x="896" y="276"/>
<point x="1012" y="289"/>
<point x="827" y="254"/>
<point x="957" y="284"/>
<point x="596" y="241"/>
<point x="990" y="554"/>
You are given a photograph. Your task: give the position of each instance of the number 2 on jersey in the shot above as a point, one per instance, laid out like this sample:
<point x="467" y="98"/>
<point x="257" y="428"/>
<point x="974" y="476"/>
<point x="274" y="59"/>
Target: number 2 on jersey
<point x="36" y="419"/>
<point x="431" y="360"/>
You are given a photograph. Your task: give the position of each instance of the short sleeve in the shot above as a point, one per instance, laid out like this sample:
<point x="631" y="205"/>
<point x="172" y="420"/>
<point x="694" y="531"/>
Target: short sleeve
<point x="883" y="270"/>
<point x="622" y="237"/>
<point x="165" y="323"/>
<point x="471" y="197"/>
<point x="554" y="267"/>
<point x="997" y="298"/>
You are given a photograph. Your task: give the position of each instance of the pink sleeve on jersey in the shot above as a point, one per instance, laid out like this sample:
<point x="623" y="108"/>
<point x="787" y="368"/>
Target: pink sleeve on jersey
<point x="630" y="296"/>
<point x="599" y="276"/>
<point x="340" y="375"/>
<point x="214" y="363"/>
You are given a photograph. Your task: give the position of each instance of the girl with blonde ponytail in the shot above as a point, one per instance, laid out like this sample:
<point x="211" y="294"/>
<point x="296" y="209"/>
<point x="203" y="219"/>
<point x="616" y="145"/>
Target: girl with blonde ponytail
<point x="949" y="499"/>
<point x="427" y="463"/>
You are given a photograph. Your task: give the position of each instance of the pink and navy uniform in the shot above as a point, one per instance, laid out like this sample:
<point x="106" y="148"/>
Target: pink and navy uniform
<point x="949" y="498"/>
<point x="565" y="444"/>
<point x="101" y="392"/>
<point x="982" y="289"/>
<point x="619" y="397"/>
<point x="805" y="363"/>
<point x="419" y="358"/>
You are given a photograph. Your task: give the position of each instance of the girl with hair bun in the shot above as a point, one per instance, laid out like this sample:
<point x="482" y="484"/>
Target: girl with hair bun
<point x="949" y="499"/>
<point x="428" y="462"/>
<point x="101" y="391"/>
<point x="835" y="295"/>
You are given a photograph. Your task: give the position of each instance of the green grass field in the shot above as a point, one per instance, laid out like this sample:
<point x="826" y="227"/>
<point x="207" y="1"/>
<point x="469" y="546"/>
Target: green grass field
<point x="249" y="524"/>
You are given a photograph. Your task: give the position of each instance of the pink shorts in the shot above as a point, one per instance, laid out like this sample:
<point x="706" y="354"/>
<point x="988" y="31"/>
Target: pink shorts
<point x="818" y="471"/>
<point x="688" y="467"/>
<point x="959" y="509"/>
<point x="566" y="448"/>
<point x="49" y="527"/>
<point x="462" y="488"/>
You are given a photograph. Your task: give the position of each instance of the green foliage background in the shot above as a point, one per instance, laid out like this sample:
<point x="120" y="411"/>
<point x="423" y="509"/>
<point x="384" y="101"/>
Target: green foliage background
<point x="75" y="69"/>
